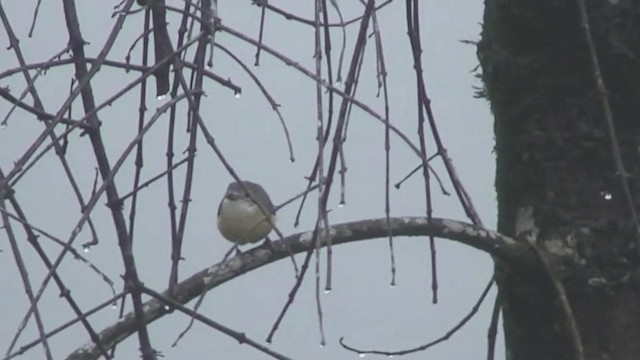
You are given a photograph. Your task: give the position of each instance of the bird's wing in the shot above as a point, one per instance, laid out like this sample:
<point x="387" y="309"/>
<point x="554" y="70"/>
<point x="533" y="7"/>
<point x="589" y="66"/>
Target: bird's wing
<point x="260" y="195"/>
<point x="220" y="205"/>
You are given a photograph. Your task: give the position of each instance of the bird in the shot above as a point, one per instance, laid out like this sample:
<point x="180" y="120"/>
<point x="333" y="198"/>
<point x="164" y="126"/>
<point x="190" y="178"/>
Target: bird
<point x="246" y="216"/>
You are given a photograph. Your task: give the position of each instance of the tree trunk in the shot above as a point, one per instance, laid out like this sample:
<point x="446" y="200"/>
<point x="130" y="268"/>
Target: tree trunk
<point x="557" y="182"/>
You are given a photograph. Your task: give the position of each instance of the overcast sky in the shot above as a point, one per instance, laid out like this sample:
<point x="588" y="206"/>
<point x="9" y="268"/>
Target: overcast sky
<point x="362" y="307"/>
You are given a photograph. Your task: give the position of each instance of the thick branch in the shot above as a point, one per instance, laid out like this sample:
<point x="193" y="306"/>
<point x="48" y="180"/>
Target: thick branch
<point x="513" y="252"/>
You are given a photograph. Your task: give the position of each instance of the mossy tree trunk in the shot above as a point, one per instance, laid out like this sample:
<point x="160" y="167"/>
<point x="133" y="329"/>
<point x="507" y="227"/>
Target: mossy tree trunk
<point x="557" y="182"/>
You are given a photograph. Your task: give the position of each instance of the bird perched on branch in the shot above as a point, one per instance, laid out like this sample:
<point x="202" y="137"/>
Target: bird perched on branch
<point x="246" y="213"/>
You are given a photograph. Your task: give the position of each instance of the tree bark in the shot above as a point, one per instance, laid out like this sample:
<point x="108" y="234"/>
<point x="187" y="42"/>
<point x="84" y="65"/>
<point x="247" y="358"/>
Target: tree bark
<point x="557" y="182"/>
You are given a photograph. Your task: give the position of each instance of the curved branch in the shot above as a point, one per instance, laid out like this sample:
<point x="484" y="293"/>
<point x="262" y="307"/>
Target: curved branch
<point x="517" y="253"/>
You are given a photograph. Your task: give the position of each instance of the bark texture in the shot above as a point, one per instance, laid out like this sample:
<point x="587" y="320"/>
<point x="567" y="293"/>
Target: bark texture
<point x="556" y="180"/>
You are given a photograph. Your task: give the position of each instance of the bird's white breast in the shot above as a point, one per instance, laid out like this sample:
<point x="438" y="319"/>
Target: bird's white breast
<point x="242" y="221"/>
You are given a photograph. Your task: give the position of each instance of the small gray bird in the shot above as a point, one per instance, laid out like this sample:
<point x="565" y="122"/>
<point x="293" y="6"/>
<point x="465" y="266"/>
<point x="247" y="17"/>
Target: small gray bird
<point x="240" y="219"/>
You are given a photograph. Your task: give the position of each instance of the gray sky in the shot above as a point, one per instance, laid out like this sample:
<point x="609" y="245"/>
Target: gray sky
<point x="362" y="306"/>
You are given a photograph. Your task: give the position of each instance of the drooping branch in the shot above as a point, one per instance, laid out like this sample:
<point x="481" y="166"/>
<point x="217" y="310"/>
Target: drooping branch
<point x="519" y="254"/>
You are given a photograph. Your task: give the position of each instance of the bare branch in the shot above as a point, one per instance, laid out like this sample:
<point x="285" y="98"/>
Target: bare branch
<point x="518" y="254"/>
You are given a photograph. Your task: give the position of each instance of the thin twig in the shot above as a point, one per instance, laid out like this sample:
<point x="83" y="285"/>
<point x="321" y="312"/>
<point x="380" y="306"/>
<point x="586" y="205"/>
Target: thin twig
<point x="291" y="16"/>
<point x="109" y="302"/>
<point x="171" y="197"/>
<point x="24" y="276"/>
<point x="413" y="31"/>
<point x="35" y="16"/>
<point x="382" y="83"/>
<point x="322" y="222"/>
<point x="492" y="333"/>
<point x="274" y="105"/>
<point x="154" y="179"/>
<point x="238" y="336"/>
<point x="20" y="217"/>
<point x="260" y="35"/>
<point x="608" y="116"/>
<point x="444" y="337"/>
